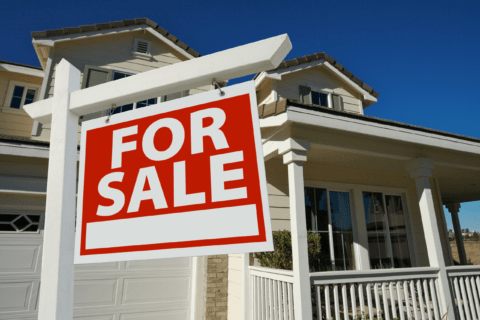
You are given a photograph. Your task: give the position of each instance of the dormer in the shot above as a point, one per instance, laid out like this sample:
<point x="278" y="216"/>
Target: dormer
<point x="316" y="80"/>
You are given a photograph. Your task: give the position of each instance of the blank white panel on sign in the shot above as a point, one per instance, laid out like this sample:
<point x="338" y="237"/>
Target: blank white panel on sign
<point x="95" y="293"/>
<point x="159" y="264"/>
<point x="15" y="296"/>
<point x="229" y="222"/>
<point x="155" y="290"/>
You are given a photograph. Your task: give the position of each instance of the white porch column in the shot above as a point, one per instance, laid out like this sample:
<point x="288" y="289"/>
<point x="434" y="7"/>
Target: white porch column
<point x="454" y="208"/>
<point x="294" y="154"/>
<point x="420" y="170"/>
<point x="56" y="289"/>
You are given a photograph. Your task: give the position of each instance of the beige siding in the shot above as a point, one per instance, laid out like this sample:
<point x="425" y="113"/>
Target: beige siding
<point x="14" y="122"/>
<point x="235" y="270"/>
<point x="320" y="77"/>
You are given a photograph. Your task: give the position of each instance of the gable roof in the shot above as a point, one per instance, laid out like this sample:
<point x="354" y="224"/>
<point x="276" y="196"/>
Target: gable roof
<point x="113" y="25"/>
<point x="323" y="56"/>
<point x="21" y="68"/>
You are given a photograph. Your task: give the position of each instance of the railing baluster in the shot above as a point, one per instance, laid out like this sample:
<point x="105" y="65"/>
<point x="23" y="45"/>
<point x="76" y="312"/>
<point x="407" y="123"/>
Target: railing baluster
<point x="345" y="301"/>
<point x="270" y="299"/>
<point x="477" y="280"/>
<point x="470" y="298"/>
<point x="465" y="299"/>
<point x="254" y="295"/>
<point x="434" y="299"/>
<point x="353" y="300"/>
<point x="319" y="302"/>
<point x="400" y="300"/>
<point x="459" y="298"/>
<point x="420" y="299"/>
<point x="285" y="305"/>
<point x="475" y="295"/>
<point x="290" y="301"/>
<point x="392" y="301"/>
<point x="362" y="301"/>
<point x="407" y="300"/>
<point x="336" y="302"/>
<point x="369" y="299"/>
<point x="414" y="300"/>
<point x="275" y="299"/>
<point x="427" y="299"/>
<point x="328" y="311"/>
<point x="385" y="301"/>
<point x="377" y="301"/>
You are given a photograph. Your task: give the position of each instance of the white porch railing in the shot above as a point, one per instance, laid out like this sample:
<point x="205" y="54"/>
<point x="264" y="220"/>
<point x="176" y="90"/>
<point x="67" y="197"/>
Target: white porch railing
<point x="465" y="282"/>
<point x="382" y="294"/>
<point x="271" y="293"/>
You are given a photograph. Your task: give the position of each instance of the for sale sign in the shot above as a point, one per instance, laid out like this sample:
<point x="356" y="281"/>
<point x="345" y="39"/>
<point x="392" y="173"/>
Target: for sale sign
<point x="180" y="178"/>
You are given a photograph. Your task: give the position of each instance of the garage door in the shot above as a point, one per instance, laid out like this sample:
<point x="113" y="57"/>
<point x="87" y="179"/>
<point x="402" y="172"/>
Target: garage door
<point x="140" y="290"/>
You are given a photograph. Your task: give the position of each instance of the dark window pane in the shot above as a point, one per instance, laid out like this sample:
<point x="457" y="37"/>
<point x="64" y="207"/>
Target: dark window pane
<point x="34" y="218"/>
<point x="6" y="227"/>
<point x="7" y="217"/>
<point x="340" y="207"/>
<point x="322" y="209"/>
<point x="127" y="107"/>
<point x="144" y="103"/>
<point x="315" y="98"/>
<point x="374" y="211"/>
<point x="378" y="251"/>
<point x="32" y="228"/>
<point x="30" y="96"/>
<point x="120" y="75"/>
<point x="17" y="96"/>
<point x="343" y="249"/>
<point x="396" y="216"/>
<point x="324" y="100"/>
<point x="21" y="222"/>
<point x="401" y="254"/>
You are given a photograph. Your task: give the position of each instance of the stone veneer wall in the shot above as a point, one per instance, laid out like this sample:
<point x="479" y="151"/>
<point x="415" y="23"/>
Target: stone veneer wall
<point x="217" y="287"/>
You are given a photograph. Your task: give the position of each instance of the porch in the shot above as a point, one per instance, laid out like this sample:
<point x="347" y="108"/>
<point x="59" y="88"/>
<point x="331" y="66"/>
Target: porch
<point x="407" y="293"/>
<point x="392" y="258"/>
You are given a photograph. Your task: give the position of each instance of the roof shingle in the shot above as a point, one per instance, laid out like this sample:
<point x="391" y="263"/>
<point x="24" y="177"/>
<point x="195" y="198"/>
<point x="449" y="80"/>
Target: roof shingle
<point x="113" y="25"/>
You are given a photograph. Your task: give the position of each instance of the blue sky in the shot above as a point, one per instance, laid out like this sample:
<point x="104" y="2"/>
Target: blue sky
<point x="421" y="56"/>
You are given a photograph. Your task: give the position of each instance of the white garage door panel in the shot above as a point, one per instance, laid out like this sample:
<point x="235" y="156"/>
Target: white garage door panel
<point x="18" y="258"/>
<point x="106" y="266"/>
<point x="155" y="290"/>
<point x="95" y="293"/>
<point x="15" y="296"/>
<point x="109" y="317"/>
<point x="170" y="315"/>
<point x="173" y="263"/>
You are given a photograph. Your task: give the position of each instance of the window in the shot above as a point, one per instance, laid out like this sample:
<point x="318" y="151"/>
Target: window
<point x="20" y="94"/>
<point x="329" y="214"/>
<point x="385" y="218"/>
<point x="19" y="222"/>
<point x="321" y="97"/>
<point x="141" y="49"/>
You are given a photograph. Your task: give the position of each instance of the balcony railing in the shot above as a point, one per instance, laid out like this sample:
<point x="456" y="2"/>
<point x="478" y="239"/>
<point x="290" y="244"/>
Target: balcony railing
<point x="271" y="293"/>
<point x="465" y="282"/>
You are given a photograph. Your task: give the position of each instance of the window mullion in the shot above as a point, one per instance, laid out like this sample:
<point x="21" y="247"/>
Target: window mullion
<point x="387" y="228"/>
<point x="24" y="95"/>
<point x="329" y="100"/>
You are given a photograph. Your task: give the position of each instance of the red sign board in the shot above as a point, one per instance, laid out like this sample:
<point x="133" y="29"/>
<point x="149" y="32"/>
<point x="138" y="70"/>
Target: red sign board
<point x="181" y="178"/>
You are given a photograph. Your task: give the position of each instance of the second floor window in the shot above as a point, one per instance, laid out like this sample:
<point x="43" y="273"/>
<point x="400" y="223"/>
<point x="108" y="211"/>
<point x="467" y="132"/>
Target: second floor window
<point x="20" y="94"/>
<point x="140" y="104"/>
<point x="325" y="98"/>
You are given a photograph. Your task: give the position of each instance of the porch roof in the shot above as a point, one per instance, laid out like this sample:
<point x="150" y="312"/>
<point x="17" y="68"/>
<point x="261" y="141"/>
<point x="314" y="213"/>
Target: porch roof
<point x="278" y="107"/>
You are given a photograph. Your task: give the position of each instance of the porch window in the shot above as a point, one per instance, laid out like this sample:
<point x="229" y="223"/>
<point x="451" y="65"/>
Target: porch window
<point x="329" y="214"/>
<point x="386" y="229"/>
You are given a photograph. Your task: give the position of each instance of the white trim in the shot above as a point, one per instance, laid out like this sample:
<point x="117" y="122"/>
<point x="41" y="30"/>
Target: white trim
<point x="17" y="148"/>
<point x="37" y="127"/>
<point x="193" y="288"/>
<point x="9" y="95"/>
<point x="169" y="43"/>
<point x="20" y="69"/>
<point x="23" y="192"/>
<point x="359" y="126"/>
<point x="264" y="75"/>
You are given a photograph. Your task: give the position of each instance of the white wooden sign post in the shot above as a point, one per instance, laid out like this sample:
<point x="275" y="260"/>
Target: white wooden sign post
<point x="63" y="110"/>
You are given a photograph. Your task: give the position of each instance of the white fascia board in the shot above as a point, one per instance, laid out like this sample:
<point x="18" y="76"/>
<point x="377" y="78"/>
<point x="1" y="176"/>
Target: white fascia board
<point x="51" y="40"/>
<point x="169" y="43"/>
<point x="366" y="95"/>
<point x="228" y="64"/>
<point x="309" y="117"/>
<point x="22" y="70"/>
<point x="279" y="73"/>
<point x="274" y="121"/>
<point x="23" y="150"/>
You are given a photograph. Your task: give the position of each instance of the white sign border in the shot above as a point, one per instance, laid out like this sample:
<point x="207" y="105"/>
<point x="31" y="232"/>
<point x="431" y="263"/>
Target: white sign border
<point x="194" y="100"/>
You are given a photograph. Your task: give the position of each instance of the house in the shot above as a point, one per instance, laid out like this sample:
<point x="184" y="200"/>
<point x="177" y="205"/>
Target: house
<point x="372" y="189"/>
<point x="153" y="289"/>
